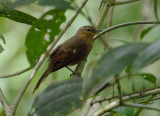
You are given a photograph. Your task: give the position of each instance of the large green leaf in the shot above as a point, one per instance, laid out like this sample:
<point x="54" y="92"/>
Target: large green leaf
<point x="7" y="11"/>
<point x="126" y="111"/>
<point x="148" y="56"/>
<point x="59" y="99"/>
<point x="3" y="39"/>
<point x="38" y="40"/>
<point x="111" y="63"/>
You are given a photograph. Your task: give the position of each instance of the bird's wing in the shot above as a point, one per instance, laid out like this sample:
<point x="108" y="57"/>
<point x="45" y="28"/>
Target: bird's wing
<point x="68" y="56"/>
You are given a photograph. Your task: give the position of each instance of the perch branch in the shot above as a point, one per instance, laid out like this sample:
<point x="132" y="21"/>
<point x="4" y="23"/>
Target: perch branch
<point x="116" y="103"/>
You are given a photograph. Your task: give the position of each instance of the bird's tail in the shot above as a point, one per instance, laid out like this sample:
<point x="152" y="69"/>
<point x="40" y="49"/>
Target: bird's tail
<point x="46" y="73"/>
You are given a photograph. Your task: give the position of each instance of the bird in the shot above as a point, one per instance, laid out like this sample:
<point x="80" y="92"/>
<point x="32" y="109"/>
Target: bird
<point x="70" y="52"/>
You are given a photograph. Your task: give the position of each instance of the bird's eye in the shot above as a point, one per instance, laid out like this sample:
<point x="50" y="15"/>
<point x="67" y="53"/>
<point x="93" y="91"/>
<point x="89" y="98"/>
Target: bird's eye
<point x="88" y="30"/>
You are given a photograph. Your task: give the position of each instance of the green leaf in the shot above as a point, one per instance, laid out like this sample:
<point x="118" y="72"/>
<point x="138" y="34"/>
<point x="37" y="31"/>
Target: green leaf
<point x="111" y="63"/>
<point x="155" y="6"/>
<point x="38" y="40"/>
<point x="145" y="31"/>
<point x="61" y="4"/>
<point x="126" y="111"/>
<point x="59" y="98"/>
<point x="148" y="56"/>
<point x="7" y="11"/>
<point x="3" y="39"/>
<point x="149" y="77"/>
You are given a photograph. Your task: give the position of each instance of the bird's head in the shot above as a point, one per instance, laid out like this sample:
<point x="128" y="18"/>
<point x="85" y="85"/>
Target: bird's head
<point x="87" y="31"/>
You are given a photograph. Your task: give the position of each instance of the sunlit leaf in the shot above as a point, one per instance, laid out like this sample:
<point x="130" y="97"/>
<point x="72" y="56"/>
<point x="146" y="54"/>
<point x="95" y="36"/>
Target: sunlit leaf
<point x="126" y="111"/>
<point x="61" y="4"/>
<point x="145" y="31"/>
<point x="155" y="6"/>
<point x="149" y="77"/>
<point x="148" y="56"/>
<point x="38" y="40"/>
<point x="59" y="99"/>
<point x="111" y="63"/>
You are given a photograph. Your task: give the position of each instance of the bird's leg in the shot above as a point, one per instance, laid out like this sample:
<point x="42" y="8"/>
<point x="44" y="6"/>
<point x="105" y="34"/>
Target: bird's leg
<point x="69" y="69"/>
<point x="73" y="73"/>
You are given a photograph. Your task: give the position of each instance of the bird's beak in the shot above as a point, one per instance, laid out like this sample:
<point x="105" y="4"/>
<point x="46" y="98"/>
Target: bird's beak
<point x="98" y="30"/>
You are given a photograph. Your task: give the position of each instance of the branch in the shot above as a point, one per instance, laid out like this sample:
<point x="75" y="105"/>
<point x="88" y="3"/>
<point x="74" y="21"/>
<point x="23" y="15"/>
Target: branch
<point x="141" y="106"/>
<point x="16" y="73"/>
<point x="44" y="55"/>
<point x="116" y="103"/>
<point x="123" y="25"/>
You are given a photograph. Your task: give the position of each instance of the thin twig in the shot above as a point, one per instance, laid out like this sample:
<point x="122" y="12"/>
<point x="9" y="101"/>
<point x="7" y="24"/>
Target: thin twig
<point x="87" y="17"/>
<point x="44" y="55"/>
<point x="16" y="73"/>
<point x="116" y="103"/>
<point x="142" y="106"/>
<point x="123" y="25"/>
<point x="5" y="104"/>
<point x="109" y="24"/>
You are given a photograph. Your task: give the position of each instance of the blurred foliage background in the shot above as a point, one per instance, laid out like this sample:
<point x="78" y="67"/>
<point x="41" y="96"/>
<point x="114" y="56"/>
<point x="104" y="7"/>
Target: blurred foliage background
<point x="14" y="59"/>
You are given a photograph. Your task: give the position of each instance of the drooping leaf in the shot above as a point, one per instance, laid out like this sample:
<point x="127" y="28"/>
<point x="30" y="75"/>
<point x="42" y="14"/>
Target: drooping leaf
<point x="7" y="11"/>
<point x="148" y="56"/>
<point x="3" y="39"/>
<point x="145" y="31"/>
<point x="111" y="63"/>
<point x="61" y="4"/>
<point x="59" y="99"/>
<point x="155" y="6"/>
<point x="38" y="40"/>
<point x="126" y="111"/>
<point x="149" y="77"/>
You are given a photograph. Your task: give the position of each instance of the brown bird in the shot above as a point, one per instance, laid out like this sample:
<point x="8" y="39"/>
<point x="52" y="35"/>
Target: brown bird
<point x="71" y="52"/>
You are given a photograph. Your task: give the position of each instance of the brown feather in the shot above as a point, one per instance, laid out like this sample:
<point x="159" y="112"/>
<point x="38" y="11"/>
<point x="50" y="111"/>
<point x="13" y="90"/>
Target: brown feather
<point x="46" y="73"/>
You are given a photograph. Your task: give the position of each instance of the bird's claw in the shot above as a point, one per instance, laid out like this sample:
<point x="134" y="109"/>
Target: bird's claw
<point x="74" y="74"/>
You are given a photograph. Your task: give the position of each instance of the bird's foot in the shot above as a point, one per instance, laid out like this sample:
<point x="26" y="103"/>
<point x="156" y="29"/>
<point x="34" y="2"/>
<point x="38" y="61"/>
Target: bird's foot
<point x="75" y="75"/>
